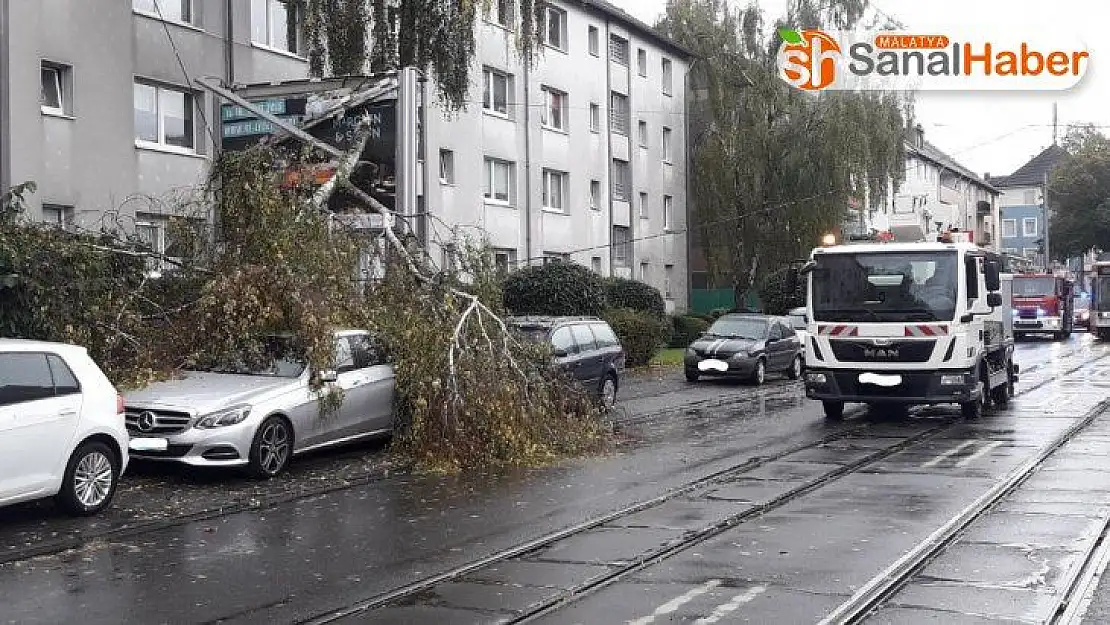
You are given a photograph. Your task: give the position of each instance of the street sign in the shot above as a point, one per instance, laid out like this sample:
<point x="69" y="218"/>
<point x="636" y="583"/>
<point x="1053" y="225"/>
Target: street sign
<point x="251" y="127"/>
<point x="229" y="112"/>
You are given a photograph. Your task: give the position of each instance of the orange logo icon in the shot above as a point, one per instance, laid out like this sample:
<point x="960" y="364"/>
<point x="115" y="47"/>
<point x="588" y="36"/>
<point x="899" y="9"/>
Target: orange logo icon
<point x="808" y="58"/>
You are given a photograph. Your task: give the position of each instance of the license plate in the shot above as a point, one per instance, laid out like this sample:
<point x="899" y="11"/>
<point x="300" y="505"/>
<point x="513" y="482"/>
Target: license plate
<point x="148" y="444"/>
<point x="880" y="380"/>
<point x="714" y="364"/>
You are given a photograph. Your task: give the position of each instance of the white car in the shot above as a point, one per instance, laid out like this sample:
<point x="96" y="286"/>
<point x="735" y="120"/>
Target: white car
<point x="797" y="317"/>
<point x="62" y="431"/>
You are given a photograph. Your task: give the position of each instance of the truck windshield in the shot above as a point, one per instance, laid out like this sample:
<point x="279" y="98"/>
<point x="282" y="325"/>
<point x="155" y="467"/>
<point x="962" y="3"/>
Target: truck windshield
<point x="1034" y="287"/>
<point x="885" y="286"/>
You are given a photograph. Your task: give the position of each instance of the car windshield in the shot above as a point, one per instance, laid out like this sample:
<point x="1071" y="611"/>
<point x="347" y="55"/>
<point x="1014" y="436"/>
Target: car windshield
<point x="738" y="328"/>
<point x="1034" y="287"/>
<point x="275" y="358"/>
<point x="885" y="286"/>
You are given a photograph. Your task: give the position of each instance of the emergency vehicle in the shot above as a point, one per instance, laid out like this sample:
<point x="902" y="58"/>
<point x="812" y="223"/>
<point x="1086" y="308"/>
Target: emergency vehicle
<point x="1043" y="304"/>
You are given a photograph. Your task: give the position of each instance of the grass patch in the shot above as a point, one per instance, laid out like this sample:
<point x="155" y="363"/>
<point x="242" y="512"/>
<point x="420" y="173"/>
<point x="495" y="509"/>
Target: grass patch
<point x="671" y="357"/>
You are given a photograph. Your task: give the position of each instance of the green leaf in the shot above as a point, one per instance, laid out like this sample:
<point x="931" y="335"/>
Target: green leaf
<point x="790" y="35"/>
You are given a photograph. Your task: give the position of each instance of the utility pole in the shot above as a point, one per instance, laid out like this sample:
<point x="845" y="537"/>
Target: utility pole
<point x="1044" y="233"/>
<point x="1053" y="123"/>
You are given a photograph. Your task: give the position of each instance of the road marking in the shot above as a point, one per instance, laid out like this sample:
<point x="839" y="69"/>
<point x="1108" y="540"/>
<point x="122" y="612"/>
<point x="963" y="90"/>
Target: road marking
<point x="951" y="452"/>
<point x="733" y="604"/>
<point x="676" y="603"/>
<point x="979" y="454"/>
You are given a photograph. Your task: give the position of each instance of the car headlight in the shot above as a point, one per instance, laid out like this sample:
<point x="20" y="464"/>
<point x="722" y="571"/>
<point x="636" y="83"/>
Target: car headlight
<point x="690" y="351"/>
<point x="816" y="378"/>
<point x="952" y="380"/>
<point x="224" y="418"/>
<point x="1040" y="312"/>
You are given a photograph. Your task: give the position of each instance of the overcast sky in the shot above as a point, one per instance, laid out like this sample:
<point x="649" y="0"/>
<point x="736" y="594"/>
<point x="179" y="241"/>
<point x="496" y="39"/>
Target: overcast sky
<point x="989" y="132"/>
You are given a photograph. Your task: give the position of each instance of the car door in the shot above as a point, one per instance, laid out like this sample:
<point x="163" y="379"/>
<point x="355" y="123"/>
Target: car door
<point x="591" y="361"/>
<point x="356" y="378"/>
<point x="378" y="384"/>
<point x="791" y="343"/>
<point x="566" y="351"/>
<point x="39" y="411"/>
<point x="777" y="347"/>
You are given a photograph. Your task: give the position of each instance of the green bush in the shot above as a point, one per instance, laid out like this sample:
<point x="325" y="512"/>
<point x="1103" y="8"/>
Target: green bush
<point x="554" y="289"/>
<point x="687" y="328"/>
<point x="777" y="299"/>
<point x="625" y="293"/>
<point x="716" y="313"/>
<point x="640" y="334"/>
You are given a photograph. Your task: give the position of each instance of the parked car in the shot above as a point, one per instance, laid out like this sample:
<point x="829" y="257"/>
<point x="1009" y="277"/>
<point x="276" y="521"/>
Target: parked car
<point x="745" y="346"/>
<point x="61" y="427"/>
<point x="260" y="417"/>
<point x="1082" y="307"/>
<point x="797" y="318"/>
<point x="585" y="347"/>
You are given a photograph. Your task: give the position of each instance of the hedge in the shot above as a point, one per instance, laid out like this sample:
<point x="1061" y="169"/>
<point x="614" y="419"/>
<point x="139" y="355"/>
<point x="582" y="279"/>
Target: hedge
<point x="776" y="298"/>
<point x="640" y="334"/>
<point x="625" y="293"/>
<point x="687" y="328"/>
<point x="554" y="289"/>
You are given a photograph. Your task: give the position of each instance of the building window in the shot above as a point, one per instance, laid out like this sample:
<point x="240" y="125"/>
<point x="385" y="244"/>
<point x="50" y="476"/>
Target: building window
<point x="447" y="167"/>
<point x="643" y="133"/>
<point x="56" y="82"/>
<point x="171" y="10"/>
<point x="554" y="114"/>
<point x="554" y="190"/>
<point x="501" y="13"/>
<point x="495" y="98"/>
<point x="151" y="233"/>
<point x="1029" y="227"/>
<point x="641" y="61"/>
<point x="56" y="214"/>
<point x="504" y="259"/>
<point x="595" y="195"/>
<point x="618" y="49"/>
<point x="595" y="117"/>
<point x="618" y="113"/>
<point x="1009" y="228"/>
<point x="667" y="77"/>
<point x="1030" y="198"/>
<point x="594" y="41"/>
<point x="595" y="264"/>
<point x="667" y="145"/>
<point x="164" y="116"/>
<point x="275" y="24"/>
<point x="668" y="280"/>
<point x="499" y="180"/>
<point x="620" y="176"/>
<point x="644" y="212"/>
<point x="644" y="271"/>
<point x="622" y="246"/>
<point x="554" y="27"/>
<point x="668" y="212"/>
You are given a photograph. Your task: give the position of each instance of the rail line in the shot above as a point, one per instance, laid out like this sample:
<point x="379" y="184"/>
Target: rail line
<point x="688" y="540"/>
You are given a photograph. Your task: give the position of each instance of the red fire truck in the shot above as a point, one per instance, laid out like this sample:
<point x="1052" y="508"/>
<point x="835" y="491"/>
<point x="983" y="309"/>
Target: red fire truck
<point x="1043" y="305"/>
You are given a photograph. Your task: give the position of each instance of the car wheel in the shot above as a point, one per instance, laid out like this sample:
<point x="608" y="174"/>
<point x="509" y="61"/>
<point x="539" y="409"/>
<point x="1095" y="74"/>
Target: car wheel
<point x="90" y="480"/>
<point x="691" y="376"/>
<point x="760" y="372"/>
<point x="607" y="394"/>
<point x="795" y="370"/>
<point x="834" y="410"/>
<point x="271" y="448"/>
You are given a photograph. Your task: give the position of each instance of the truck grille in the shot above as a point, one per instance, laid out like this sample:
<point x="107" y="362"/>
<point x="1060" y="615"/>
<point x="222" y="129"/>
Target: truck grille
<point x="897" y="351"/>
<point x="161" y="421"/>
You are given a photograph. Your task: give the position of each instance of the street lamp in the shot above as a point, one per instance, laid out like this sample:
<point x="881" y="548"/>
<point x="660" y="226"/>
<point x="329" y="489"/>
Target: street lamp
<point x="828" y="240"/>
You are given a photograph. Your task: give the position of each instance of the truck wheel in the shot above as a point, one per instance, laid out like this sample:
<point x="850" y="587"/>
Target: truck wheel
<point x="1000" y="395"/>
<point x="834" y="410"/>
<point x="974" y="409"/>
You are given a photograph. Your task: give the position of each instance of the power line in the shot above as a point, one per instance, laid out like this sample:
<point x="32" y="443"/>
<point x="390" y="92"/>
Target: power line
<point x="185" y="73"/>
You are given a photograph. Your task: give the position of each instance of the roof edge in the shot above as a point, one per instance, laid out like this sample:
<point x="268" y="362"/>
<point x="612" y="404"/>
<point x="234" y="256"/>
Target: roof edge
<point x="613" y="11"/>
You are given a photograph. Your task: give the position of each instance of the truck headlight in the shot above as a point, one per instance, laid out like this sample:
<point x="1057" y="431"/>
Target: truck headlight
<point x="224" y="418"/>
<point x="816" y="378"/>
<point x="952" y="380"/>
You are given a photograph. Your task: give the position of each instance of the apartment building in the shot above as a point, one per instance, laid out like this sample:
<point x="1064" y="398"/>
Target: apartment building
<point x="99" y="108"/>
<point x="938" y="193"/>
<point x="580" y="157"/>
<point x="1023" y="211"/>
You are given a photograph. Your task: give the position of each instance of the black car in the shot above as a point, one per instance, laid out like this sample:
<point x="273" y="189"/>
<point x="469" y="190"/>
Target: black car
<point x="745" y="346"/>
<point x="585" y="347"/>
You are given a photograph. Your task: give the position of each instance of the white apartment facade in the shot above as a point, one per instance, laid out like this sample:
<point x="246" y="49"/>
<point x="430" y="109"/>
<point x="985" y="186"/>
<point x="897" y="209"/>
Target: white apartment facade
<point x="581" y="157"/>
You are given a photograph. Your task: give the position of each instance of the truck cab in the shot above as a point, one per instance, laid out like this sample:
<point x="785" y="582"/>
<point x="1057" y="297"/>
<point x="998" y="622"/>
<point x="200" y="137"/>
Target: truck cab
<point x="1043" y="304"/>
<point x="908" y="323"/>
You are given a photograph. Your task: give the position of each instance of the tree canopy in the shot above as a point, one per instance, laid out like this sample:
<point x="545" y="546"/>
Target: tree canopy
<point x="1079" y="195"/>
<point x="774" y="168"/>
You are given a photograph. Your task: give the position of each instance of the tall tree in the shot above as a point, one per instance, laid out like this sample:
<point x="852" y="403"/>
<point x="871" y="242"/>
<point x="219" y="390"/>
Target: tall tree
<point x="351" y="36"/>
<point x="775" y="167"/>
<point x="1079" y="195"/>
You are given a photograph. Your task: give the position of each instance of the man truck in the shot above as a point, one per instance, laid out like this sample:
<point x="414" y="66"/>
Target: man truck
<point x="908" y="323"/>
<point x="1043" y="303"/>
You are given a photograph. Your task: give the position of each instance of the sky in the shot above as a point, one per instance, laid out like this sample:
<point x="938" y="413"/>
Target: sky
<point x="989" y="132"/>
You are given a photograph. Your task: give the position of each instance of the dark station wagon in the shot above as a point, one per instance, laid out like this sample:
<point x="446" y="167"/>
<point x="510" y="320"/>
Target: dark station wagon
<point x="585" y="347"/>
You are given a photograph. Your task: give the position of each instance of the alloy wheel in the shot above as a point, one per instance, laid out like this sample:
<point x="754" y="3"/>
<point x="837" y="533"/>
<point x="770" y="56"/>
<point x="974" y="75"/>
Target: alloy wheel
<point x="273" y="447"/>
<point x="93" y="478"/>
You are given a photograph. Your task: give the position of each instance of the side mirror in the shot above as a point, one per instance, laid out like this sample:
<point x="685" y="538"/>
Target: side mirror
<point x="994" y="300"/>
<point x="328" y="375"/>
<point x="990" y="275"/>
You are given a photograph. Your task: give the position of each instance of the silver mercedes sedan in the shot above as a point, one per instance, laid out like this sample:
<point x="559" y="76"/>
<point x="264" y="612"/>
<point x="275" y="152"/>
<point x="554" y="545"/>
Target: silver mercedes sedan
<point x="259" y="418"/>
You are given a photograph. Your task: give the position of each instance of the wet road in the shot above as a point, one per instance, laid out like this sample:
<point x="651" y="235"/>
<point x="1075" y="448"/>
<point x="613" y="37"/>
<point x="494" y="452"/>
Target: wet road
<point x="308" y="556"/>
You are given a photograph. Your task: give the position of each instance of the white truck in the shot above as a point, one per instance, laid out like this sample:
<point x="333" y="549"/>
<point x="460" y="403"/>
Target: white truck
<point x="904" y="323"/>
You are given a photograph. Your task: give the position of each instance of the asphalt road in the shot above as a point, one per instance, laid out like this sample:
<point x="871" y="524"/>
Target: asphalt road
<point x="314" y="554"/>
